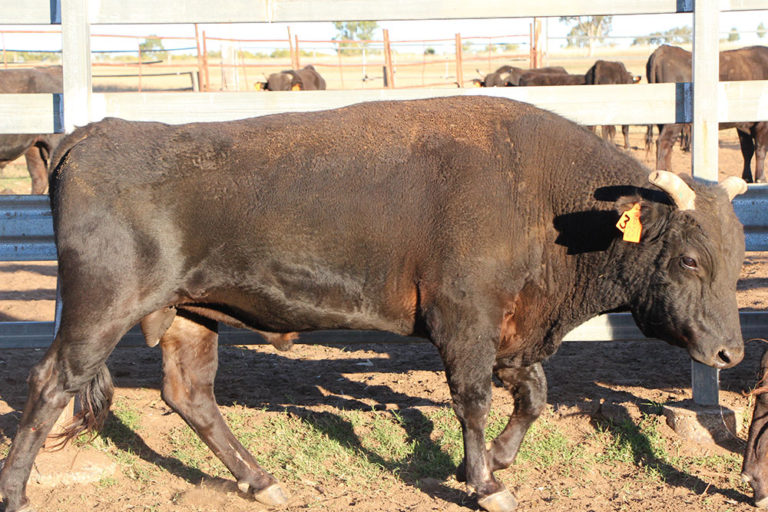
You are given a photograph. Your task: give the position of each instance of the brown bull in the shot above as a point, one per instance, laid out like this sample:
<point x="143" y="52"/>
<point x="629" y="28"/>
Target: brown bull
<point x="443" y="223"/>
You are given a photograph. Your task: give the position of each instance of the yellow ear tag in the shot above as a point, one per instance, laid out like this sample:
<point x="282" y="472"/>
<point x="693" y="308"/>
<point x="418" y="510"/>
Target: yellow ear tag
<point x="630" y="225"/>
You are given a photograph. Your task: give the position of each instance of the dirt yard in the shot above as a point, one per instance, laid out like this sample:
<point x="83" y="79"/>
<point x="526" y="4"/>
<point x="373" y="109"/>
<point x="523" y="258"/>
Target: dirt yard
<point x="367" y="427"/>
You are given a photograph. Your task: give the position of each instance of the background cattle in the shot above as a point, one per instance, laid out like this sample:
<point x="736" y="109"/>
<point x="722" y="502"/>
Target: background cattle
<point x="304" y="79"/>
<point x="673" y="64"/>
<point x="529" y="79"/>
<point x="36" y="148"/>
<point x="610" y="72"/>
<point x="507" y="76"/>
<point x="443" y="223"/>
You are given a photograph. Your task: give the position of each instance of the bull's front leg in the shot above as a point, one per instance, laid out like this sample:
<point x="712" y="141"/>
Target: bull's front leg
<point x="528" y="387"/>
<point x="468" y="353"/>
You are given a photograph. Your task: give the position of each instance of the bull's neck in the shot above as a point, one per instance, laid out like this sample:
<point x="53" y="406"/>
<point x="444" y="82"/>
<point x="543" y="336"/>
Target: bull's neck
<point x="605" y="269"/>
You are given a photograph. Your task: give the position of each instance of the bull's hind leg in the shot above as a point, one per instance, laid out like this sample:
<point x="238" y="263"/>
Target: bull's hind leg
<point x="528" y="387"/>
<point x="72" y="364"/>
<point x="190" y="360"/>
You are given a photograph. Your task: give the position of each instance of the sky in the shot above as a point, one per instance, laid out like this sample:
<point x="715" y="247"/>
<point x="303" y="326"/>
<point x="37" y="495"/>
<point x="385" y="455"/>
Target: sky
<point x="625" y="28"/>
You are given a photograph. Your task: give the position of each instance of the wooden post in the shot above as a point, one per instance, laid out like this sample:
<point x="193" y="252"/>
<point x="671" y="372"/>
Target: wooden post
<point x="140" y="67"/>
<point x="388" y="60"/>
<point x="706" y="65"/>
<point x="292" y="50"/>
<point x="245" y="68"/>
<point x="459" y="62"/>
<point x="199" y="60"/>
<point x="530" y="46"/>
<point x="205" y="64"/>
<point x="341" y="66"/>
<point x="535" y="49"/>
<point x="298" y="52"/>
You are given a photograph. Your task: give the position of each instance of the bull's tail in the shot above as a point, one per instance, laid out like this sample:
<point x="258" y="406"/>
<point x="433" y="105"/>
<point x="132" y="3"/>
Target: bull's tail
<point x="94" y="401"/>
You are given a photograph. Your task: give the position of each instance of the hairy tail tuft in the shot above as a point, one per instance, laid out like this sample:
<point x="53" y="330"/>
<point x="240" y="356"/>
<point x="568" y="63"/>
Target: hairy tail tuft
<point x="94" y="401"/>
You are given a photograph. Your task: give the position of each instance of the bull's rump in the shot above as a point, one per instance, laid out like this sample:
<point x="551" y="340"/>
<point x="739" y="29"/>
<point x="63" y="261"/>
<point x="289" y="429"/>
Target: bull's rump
<point x="312" y="220"/>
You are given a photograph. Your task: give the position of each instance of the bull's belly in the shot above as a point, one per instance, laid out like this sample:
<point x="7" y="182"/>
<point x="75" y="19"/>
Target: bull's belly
<point x="279" y="309"/>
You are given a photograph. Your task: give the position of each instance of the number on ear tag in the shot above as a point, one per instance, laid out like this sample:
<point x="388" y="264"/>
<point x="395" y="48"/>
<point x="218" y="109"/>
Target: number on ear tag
<point x="630" y="224"/>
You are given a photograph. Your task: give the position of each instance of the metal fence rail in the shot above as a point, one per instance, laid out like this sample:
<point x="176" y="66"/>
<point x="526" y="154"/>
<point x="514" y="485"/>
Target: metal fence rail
<point x="26" y="234"/>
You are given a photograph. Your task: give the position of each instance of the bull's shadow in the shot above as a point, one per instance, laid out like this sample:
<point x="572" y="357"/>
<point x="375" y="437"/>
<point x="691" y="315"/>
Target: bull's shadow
<point x="266" y="379"/>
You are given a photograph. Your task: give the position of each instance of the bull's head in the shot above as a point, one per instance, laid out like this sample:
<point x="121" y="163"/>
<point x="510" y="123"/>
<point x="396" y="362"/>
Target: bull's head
<point x="698" y="247"/>
<point x="754" y="471"/>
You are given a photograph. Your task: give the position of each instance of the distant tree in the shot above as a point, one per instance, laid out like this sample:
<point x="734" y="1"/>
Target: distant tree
<point x="588" y="30"/>
<point x="353" y="31"/>
<point x="280" y="53"/>
<point x="510" y="47"/>
<point x="429" y="51"/>
<point x="733" y="35"/>
<point x="677" y="35"/>
<point x="761" y="30"/>
<point x="153" y="47"/>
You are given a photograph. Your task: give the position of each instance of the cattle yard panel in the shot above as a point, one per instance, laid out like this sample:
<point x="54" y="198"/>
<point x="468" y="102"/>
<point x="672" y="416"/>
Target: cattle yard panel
<point x="585" y="104"/>
<point x="83" y="106"/>
<point x="30" y="113"/>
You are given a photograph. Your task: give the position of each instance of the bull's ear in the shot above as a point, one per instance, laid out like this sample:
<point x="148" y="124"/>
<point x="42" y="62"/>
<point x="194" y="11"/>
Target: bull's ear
<point x="640" y="220"/>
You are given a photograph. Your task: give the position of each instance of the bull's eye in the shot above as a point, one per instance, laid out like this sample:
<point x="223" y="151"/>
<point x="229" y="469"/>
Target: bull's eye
<point x="689" y="263"/>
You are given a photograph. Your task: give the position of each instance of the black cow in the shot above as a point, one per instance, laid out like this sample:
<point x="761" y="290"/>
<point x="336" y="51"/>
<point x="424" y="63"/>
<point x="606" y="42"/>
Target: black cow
<point x="443" y="223"/>
<point x="540" y="79"/>
<point x="754" y="470"/>
<point x="610" y="72"/>
<point x="507" y="76"/>
<point x="304" y="79"/>
<point x="36" y="148"/>
<point x="673" y="64"/>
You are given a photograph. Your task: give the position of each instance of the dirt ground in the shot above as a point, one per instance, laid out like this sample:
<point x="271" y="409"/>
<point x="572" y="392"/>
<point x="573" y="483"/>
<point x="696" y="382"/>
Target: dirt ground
<point x="407" y="377"/>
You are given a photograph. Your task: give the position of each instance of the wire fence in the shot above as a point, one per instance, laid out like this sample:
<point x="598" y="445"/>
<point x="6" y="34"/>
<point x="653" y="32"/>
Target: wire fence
<point x="207" y="63"/>
<point x="228" y="64"/>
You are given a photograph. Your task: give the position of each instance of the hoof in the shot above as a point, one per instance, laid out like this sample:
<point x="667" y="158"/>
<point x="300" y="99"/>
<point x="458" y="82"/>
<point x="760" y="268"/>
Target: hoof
<point x="502" y="501"/>
<point x="272" y="496"/>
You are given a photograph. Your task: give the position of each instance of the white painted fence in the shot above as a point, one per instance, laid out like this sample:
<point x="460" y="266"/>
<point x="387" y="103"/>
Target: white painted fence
<point x="710" y="103"/>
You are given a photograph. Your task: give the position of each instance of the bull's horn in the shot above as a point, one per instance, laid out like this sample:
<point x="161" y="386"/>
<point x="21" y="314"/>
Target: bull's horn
<point x="672" y="184"/>
<point x="734" y="186"/>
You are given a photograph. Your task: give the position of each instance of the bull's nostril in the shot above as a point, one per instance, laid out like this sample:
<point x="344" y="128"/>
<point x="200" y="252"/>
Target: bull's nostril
<point x="724" y="356"/>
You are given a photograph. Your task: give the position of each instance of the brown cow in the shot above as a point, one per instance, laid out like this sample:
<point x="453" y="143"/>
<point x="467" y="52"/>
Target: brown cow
<point x="610" y="72"/>
<point x="36" y="148"/>
<point x="540" y="79"/>
<point x="509" y="76"/>
<point x="673" y="64"/>
<point x="304" y="79"/>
